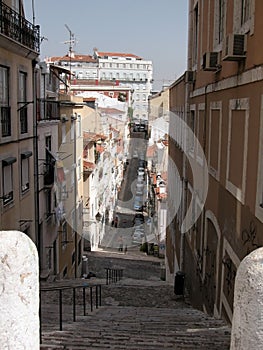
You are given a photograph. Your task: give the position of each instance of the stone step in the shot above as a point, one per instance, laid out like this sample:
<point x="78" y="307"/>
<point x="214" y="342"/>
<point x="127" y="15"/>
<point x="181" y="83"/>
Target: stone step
<point x="141" y="328"/>
<point x="136" y="314"/>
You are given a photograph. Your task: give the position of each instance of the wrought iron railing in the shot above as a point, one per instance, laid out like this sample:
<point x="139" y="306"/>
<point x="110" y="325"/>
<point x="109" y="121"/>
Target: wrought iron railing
<point x="89" y="291"/>
<point x="16" y="27"/>
<point x="48" y="110"/>
<point x="113" y="275"/>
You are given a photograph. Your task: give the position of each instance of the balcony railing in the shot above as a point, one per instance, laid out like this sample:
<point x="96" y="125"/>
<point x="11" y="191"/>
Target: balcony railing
<point x="48" y="110"/>
<point x="16" y="27"/>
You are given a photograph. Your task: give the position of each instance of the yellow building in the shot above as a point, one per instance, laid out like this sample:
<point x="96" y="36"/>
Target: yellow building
<point x="19" y="50"/>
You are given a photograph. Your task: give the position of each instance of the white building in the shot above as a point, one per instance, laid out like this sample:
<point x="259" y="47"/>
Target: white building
<point x="122" y="73"/>
<point x="128" y="70"/>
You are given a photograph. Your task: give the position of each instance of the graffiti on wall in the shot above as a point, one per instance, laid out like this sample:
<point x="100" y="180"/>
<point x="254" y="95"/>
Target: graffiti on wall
<point x="249" y="236"/>
<point x="230" y="274"/>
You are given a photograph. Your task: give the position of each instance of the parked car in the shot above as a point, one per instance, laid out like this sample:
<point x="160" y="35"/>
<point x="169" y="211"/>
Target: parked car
<point x="140" y="172"/>
<point x="142" y="163"/>
<point x="138" y="219"/>
<point x="138" y="206"/>
<point x="139" y="230"/>
<point x="135" y="154"/>
<point x="139" y="186"/>
<point x="140" y="178"/>
<point x="138" y="236"/>
<point x="138" y="198"/>
<point x="139" y="226"/>
<point x="139" y="191"/>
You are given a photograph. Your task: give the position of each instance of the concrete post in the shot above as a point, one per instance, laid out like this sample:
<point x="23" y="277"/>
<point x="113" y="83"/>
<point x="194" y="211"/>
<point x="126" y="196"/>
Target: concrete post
<point x="247" y="323"/>
<point x="19" y="292"/>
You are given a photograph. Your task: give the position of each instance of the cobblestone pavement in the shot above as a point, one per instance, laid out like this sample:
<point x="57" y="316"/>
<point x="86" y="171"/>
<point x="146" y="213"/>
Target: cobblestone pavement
<point x="135" y="314"/>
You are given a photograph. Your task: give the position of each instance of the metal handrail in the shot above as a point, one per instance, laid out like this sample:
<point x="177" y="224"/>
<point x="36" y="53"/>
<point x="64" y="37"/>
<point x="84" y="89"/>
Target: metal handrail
<point x="60" y="290"/>
<point x="113" y="275"/>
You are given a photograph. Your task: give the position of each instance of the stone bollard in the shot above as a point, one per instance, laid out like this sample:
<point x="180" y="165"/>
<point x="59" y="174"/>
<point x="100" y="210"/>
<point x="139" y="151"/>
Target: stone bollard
<point x="19" y="292"/>
<point x="247" y="322"/>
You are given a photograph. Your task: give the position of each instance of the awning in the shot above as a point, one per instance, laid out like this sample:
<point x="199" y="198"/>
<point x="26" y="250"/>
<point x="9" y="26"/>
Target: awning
<point x="26" y="154"/>
<point x="8" y="161"/>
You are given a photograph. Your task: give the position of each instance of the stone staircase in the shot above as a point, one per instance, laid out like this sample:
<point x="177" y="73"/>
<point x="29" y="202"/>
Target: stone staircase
<point x="135" y="314"/>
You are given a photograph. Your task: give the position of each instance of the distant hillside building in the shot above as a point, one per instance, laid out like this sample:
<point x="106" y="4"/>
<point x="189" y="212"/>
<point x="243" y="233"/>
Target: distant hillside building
<point x="115" y="74"/>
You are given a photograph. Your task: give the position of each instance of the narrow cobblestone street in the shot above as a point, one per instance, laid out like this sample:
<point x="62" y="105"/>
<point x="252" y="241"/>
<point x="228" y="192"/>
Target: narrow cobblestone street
<point x="136" y="313"/>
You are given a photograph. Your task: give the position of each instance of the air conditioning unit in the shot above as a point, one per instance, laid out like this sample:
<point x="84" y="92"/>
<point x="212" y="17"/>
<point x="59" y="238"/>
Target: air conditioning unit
<point x="190" y="76"/>
<point x="234" y="47"/>
<point x="210" y="61"/>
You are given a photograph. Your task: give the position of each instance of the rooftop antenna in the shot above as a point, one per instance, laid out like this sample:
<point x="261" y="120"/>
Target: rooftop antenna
<point x="71" y="42"/>
<point x="33" y="12"/>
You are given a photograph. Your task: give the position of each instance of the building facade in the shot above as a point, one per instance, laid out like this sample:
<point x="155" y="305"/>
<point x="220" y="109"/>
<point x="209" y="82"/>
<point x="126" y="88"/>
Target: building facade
<point x="19" y="51"/>
<point x="220" y="100"/>
<point x="125" y="76"/>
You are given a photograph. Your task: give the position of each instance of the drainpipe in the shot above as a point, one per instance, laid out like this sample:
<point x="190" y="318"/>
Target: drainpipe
<point x="36" y="180"/>
<point x="36" y="172"/>
<point x="204" y="150"/>
<point x="186" y="108"/>
<point x="75" y="198"/>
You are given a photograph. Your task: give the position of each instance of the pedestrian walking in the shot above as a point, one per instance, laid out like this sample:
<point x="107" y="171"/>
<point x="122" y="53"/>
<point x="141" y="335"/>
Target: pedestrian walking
<point x="125" y="249"/>
<point x="121" y="244"/>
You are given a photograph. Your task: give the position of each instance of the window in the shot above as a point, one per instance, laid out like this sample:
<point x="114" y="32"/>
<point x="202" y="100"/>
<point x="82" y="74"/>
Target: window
<point x="221" y="20"/>
<point x="22" y="102"/>
<point x="48" y="145"/>
<point x="245" y="11"/>
<point x="191" y="130"/>
<point x="25" y="170"/>
<point x="7" y="176"/>
<point x="5" y="110"/>
<point x="48" y="203"/>
<point x="244" y="19"/>
<point x="49" y="163"/>
<point x="72" y="128"/>
<point x="79" y="126"/>
<point x="237" y="148"/>
<point x="80" y="252"/>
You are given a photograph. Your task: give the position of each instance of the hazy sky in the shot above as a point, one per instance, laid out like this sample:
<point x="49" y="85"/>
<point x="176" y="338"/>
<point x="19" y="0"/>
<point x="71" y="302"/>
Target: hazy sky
<point x="153" y="29"/>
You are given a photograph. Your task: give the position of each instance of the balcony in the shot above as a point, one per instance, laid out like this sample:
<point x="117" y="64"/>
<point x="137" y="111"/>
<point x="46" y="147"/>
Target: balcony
<point x="15" y="27"/>
<point x="48" y="110"/>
